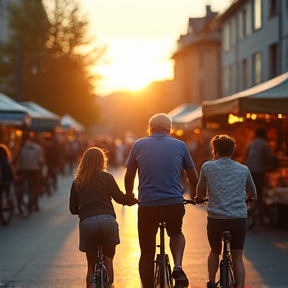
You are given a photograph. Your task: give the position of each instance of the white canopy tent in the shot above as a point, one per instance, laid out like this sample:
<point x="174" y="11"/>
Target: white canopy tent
<point x="187" y="116"/>
<point x="68" y="122"/>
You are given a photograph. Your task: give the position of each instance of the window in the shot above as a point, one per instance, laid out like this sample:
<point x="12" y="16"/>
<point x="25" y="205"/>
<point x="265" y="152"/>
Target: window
<point x="245" y="74"/>
<point x="257" y="68"/>
<point x="273" y="7"/>
<point x="232" y="34"/>
<point x="273" y="60"/>
<point x="257" y="14"/>
<point x="229" y="35"/>
<point x="227" y="80"/>
<point x="286" y="9"/>
<point x="243" y="24"/>
<point x="226" y="45"/>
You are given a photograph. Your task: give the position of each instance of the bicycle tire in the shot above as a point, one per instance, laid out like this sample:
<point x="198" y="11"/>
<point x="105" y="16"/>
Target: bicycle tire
<point x="7" y="206"/>
<point x="226" y="275"/>
<point x="102" y="278"/>
<point x="163" y="273"/>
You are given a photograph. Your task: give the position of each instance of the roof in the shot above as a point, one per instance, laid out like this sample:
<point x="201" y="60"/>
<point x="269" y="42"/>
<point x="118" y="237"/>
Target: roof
<point x="270" y="97"/>
<point x="12" y="114"/>
<point x="68" y="122"/>
<point x="42" y="120"/>
<point x="231" y="10"/>
<point x="9" y="105"/>
<point x="198" y="24"/>
<point x="38" y="111"/>
<point x="186" y="116"/>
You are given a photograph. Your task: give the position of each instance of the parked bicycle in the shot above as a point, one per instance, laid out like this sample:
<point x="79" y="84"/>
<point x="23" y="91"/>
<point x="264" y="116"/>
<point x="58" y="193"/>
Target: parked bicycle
<point x="100" y="277"/>
<point x="6" y="203"/>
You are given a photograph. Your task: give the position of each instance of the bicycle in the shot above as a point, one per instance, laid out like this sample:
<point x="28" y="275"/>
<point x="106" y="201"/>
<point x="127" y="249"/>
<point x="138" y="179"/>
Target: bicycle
<point x="226" y="277"/>
<point x="6" y="203"/>
<point x="163" y="272"/>
<point x="100" y="278"/>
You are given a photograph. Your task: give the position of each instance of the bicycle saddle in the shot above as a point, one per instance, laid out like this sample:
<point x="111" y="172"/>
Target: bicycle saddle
<point x="227" y="235"/>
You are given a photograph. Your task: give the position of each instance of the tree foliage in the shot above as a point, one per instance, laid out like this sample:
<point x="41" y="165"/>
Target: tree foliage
<point x="55" y="72"/>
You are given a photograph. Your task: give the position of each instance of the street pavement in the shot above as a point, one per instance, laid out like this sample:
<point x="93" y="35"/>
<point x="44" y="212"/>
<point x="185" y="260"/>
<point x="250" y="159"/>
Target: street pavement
<point x="42" y="250"/>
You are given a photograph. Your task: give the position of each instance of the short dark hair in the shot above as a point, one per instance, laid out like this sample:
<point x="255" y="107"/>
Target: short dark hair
<point x="261" y="133"/>
<point x="223" y="144"/>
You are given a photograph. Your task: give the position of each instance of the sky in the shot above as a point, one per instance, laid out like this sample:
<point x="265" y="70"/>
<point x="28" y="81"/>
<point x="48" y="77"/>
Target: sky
<point x="140" y="36"/>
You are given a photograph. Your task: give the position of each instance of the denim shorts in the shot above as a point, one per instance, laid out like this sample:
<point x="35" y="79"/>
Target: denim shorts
<point x="215" y="227"/>
<point x="101" y="229"/>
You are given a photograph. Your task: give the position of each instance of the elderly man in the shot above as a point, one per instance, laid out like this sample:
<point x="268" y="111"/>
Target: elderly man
<point x="160" y="161"/>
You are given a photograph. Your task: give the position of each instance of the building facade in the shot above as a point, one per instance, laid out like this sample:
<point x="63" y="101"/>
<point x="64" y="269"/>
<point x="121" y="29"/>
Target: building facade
<point x="254" y="43"/>
<point x="197" y="62"/>
<point x="3" y="21"/>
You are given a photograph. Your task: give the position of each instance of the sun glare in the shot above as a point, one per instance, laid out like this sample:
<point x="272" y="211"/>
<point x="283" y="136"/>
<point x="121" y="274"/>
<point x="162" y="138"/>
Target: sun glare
<point x="138" y="66"/>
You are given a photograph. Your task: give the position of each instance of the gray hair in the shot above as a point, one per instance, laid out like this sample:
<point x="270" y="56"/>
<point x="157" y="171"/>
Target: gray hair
<point x="160" y="121"/>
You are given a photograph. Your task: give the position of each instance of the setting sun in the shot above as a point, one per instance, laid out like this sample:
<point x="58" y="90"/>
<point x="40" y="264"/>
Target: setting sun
<point x="140" y="36"/>
<point x="133" y="64"/>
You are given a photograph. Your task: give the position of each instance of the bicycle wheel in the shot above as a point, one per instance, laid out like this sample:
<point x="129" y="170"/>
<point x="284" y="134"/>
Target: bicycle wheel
<point x="163" y="277"/>
<point x="226" y="275"/>
<point x="7" y="205"/>
<point x="102" y="278"/>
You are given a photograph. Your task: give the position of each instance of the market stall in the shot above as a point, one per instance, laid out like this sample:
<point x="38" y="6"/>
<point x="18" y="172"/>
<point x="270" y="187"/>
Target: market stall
<point x="42" y="120"/>
<point x="69" y="123"/>
<point x="14" y="120"/>
<point x="188" y="127"/>
<point x="264" y="105"/>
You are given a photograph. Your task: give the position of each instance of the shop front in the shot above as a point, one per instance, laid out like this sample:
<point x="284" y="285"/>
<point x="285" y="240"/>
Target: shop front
<point x="263" y="106"/>
<point x="14" y="121"/>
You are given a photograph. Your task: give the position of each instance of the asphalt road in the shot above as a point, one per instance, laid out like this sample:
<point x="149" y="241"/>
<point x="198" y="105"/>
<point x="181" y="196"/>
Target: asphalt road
<point x="42" y="251"/>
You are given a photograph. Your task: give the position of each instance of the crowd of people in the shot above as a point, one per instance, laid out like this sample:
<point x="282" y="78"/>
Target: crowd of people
<point x="35" y="164"/>
<point x="40" y="158"/>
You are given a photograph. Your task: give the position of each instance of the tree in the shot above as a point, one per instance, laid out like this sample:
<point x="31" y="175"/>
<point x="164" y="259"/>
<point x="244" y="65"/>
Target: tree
<point x="56" y="73"/>
<point x="25" y="44"/>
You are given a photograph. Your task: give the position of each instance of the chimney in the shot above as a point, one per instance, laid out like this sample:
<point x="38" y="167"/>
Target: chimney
<point x="208" y="9"/>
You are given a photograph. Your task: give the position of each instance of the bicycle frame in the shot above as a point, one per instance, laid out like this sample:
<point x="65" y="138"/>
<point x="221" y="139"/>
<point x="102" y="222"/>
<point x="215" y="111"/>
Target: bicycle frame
<point x="163" y="275"/>
<point x="226" y="270"/>
<point x="100" y="278"/>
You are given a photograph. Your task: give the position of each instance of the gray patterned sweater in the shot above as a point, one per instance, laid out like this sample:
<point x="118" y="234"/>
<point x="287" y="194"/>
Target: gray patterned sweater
<point x="226" y="183"/>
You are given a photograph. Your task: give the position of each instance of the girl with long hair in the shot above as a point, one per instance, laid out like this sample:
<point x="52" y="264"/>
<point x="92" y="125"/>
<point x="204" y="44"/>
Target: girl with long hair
<point x="90" y="197"/>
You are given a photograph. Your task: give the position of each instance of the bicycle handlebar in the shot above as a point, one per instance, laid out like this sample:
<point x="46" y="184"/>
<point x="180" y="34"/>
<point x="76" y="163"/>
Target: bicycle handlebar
<point x="190" y="201"/>
<point x="250" y="200"/>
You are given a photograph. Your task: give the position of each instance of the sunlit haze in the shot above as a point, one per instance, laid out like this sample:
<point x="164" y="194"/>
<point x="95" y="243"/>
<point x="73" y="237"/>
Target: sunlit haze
<point x="140" y="36"/>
